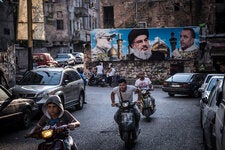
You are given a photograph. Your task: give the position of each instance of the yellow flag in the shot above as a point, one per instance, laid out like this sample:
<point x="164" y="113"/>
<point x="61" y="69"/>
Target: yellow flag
<point x="37" y="20"/>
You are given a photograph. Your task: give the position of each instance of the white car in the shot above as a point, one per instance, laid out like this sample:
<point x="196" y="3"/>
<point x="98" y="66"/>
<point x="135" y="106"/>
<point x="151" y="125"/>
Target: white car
<point x="79" y="57"/>
<point x="205" y="94"/>
<point x="206" y="81"/>
<point x="220" y="122"/>
<point x="209" y="114"/>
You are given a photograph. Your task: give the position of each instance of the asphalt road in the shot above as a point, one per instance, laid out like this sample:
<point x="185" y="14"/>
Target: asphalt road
<point x="174" y="126"/>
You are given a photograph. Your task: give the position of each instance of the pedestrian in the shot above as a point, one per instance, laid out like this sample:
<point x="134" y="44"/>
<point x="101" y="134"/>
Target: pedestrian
<point x="100" y="69"/>
<point x="188" y="48"/>
<point x="110" y="74"/>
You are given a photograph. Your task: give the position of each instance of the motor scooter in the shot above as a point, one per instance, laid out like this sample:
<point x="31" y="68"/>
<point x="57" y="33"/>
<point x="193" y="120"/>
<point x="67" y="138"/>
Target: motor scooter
<point x="53" y="139"/>
<point x="127" y="123"/>
<point x="146" y="105"/>
<point x="97" y="80"/>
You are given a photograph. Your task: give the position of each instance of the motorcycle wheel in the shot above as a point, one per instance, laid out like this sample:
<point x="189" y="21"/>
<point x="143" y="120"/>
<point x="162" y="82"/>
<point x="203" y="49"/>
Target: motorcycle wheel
<point x="91" y="82"/>
<point x="102" y="84"/>
<point x="127" y="140"/>
<point x="146" y="112"/>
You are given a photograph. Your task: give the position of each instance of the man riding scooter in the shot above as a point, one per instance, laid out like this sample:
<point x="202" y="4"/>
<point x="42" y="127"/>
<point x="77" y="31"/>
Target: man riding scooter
<point x="124" y="92"/>
<point x="144" y="83"/>
<point x="54" y="117"/>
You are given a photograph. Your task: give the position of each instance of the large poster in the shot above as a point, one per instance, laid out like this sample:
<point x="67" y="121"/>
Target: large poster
<point x="144" y="44"/>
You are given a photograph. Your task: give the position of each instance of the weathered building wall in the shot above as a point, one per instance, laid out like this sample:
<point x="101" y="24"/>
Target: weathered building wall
<point x="158" y="13"/>
<point x="8" y="67"/>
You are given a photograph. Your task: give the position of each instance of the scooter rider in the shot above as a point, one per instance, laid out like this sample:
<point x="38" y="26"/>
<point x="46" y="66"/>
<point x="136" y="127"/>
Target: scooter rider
<point x="124" y="92"/>
<point x="145" y="83"/>
<point x="55" y="115"/>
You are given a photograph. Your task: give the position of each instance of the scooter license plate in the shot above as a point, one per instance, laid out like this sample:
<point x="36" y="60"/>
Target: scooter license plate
<point x="127" y="117"/>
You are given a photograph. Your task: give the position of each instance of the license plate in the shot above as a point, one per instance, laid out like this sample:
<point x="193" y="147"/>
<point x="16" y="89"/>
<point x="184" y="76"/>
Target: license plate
<point x="175" y="85"/>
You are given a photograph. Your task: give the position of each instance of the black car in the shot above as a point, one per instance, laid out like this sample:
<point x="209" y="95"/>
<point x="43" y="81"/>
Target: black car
<point x="16" y="111"/>
<point x="184" y="83"/>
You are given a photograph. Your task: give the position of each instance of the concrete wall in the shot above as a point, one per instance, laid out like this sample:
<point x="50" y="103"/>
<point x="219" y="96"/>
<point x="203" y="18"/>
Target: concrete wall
<point x="157" y="71"/>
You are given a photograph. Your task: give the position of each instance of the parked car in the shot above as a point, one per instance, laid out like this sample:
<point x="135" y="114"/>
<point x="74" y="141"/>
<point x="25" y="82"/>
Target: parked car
<point x="220" y="122"/>
<point x="16" y="111"/>
<point x="79" y="57"/>
<point x="205" y="94"/>
<point x="184" y="83"/>
<point x="206" y="81"/>
<point x="39" y="83"/>
<point x="209" y="114"/>
<point x="65" y="59"/>
<point x="40" y="59"/>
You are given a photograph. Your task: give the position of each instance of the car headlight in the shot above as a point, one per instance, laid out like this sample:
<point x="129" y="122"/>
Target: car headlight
<point x="42" y="94"/>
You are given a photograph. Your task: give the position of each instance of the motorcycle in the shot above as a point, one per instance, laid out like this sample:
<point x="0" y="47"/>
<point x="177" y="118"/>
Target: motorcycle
<point x="127" y="123"/>
<point x="146" y="105"/>
<point x="53" y="139"/>
<point x="96" y="80"/>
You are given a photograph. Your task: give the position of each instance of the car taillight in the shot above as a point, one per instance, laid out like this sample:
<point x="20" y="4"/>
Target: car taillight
<point x="165" y="84"/>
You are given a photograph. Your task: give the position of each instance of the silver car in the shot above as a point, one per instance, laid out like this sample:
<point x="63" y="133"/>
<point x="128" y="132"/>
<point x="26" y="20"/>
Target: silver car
<point x="65" y="59"/>
<point x="205" y="94"/>
<point x="39" y="83"/>
<point x="220" y="122"/>
<point x="209" y="114"/>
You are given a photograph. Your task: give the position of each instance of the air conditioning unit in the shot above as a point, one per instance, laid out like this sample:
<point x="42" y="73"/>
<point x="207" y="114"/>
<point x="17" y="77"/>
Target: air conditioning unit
<point x="142" y="24"/>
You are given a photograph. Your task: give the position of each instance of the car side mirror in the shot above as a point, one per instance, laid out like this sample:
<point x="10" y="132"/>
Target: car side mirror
<point x="201" y="90"/>
<point x="205" y="100"/>
<point x="65" y="82"/>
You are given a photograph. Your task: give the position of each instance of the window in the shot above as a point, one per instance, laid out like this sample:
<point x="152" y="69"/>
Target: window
<point x="176" y="7"/>
<point x="59" y="24"/>
<point x="6" y="31"/>
<point x="108" y="17"/>
<point x="220" y="17"/>
<point x="59" y="14"/>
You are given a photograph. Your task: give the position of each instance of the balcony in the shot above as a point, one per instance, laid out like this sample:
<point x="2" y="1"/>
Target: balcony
<point x="81" y="36"/>
<point x="81" y="12"/>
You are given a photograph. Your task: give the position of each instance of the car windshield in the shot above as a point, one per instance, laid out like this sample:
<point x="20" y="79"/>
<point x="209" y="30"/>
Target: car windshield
<point x="62" y="56"/>
<point x="180" y="78"/>
<point x="212" y="83"/>
<point x="41" y="78"/>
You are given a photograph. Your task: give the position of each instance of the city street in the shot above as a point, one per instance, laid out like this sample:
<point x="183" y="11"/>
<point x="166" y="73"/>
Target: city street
<point x="174" y="126"/>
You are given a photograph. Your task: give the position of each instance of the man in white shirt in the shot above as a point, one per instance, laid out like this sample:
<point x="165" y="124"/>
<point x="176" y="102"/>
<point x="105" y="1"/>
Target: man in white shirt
<point x="110" y="74"/>
<point x="145" y="83"/>
<point x="100" y="69"/>
<point x="124" y="92"/>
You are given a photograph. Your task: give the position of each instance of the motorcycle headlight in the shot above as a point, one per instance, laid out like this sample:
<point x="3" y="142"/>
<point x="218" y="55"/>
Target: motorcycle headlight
<point x="47" y="133"/>
<point x="125" y="104"/>
<point x="143" y="91"/>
